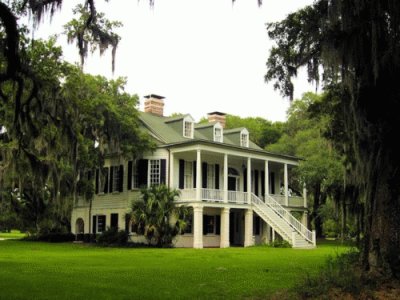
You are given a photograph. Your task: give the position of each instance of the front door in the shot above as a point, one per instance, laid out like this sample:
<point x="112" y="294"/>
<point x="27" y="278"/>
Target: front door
<point x="232" y="183"/>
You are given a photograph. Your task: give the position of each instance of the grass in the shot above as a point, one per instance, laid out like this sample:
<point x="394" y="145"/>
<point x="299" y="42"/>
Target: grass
<point x="34" y="270"/>
<point x="14" y="234"/>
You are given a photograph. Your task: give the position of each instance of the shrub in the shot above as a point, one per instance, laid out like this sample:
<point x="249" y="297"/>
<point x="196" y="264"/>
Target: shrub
<point x="52" y="237"/>
<point x="113" y="237"/>
<point x="278" y="243"/>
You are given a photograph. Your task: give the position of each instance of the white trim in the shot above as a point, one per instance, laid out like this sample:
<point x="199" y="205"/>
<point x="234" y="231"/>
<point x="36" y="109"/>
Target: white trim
<point x="216" y="127"/>
<point x="188" y="120"/>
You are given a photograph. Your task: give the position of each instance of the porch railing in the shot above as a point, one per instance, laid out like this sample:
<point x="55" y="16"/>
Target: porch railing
<point x="212" y="195"/>
<point x="294" y="201"/>
<point x="237" y="197"/>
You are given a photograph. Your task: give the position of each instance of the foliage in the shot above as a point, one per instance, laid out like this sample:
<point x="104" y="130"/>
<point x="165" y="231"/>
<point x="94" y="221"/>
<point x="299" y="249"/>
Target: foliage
<point x="355" y="45"/>
<point x="66" y="271"/>
<point x="59" y="136"/>
<point x="280" y="243"/>
<point x="157" y="215"/>
<point x="338" y="272"/>
<point x="113" y="236"/>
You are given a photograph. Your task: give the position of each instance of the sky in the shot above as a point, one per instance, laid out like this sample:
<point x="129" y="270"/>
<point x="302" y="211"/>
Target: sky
<point x="201" y="55"/>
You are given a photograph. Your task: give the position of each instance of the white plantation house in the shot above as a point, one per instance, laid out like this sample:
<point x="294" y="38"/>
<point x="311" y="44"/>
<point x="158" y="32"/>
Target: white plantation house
<point x="233" y="186"/>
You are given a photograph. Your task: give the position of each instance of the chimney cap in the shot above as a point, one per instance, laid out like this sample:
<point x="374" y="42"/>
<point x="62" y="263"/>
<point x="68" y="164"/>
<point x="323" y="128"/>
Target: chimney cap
<point x="154" y="96"/>
<point x="217" y="113"/>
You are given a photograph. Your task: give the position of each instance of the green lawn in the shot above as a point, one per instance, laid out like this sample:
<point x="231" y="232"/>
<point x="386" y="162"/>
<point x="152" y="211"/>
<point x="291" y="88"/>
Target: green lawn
<point x="14" y="234"/>
<point x="33" y="270"/>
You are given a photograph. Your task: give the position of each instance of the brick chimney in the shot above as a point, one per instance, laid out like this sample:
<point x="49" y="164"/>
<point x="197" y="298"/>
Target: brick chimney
<point x="217" y="116"/>
<point x="154" y="104"/>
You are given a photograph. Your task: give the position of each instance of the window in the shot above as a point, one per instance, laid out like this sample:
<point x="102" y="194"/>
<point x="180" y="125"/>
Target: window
<point x="188" y="129"/>
<point x="211" y="224"/>
<point x="218" y="134"/>
<point x="211" y="177"/>
<point x="100" y="223"/>
<point x="133" y="176"/>
<point x="188" y="175"/>
<point x="115" y="178"/>
<point x="154" y="172"/>
<point x="244" y="139"/>
<point x="189" y="225"/>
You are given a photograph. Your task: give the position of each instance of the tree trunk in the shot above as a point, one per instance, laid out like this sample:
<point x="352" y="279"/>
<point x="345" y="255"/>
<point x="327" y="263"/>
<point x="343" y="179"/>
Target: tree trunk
<point x="314" y="216"/>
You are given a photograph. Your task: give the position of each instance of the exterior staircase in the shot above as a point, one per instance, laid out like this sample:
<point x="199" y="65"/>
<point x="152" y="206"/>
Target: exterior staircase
<point x="283" y="222"/>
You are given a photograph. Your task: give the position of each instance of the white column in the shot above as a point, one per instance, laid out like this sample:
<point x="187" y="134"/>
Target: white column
<point x="304" y="219"/>
<point x="273" y="235"/>
<point x="264" y="233"/>
<point x="305" y="195"/>
<point x="198" y="176"/>
<point x="171" y="171"/>
<point x="286" y="184"/>
<point x="248" y="180"/>
<point x="197" y="227"/>
<point x="226" y="179"/>
<point x="224" y="243"/>
<point x="266" y="179"/>
<point x="248" y="228"/>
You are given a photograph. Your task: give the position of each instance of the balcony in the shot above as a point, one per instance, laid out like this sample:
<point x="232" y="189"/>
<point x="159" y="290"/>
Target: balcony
<point x="234" y="197"/>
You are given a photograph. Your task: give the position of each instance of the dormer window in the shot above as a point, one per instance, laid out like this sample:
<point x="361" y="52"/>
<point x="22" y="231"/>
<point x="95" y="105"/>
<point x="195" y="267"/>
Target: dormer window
<point x="218" y="136"/>
<point x="244" y="138"/>
<point x="188" y="126"/>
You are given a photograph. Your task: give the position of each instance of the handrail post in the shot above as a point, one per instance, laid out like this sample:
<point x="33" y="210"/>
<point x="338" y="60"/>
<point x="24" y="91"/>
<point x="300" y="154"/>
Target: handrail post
<point x="293" y="238"/>
<point x="314" y="238"/>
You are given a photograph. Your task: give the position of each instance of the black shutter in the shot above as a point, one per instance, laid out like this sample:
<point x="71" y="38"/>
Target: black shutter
<point x="121" y="178"/>
<point x="217" y="177"/>
<point x="111" y="188"/>
<point x="194" y="173"/>
<point x="245" y="180"/>
<point x="114" y="221"/>
<point x="94" y="225"/>
<point x="105" y="177"/>
<point x="272" y="185"/>
<point x="218" y="225"/>
<point x="127" y="221"/>
<point x="97" y="182"/>
<point x="204" y="175"/>
<point x="181" y="174"/>
<point x="262" y="183"/>
<point x="256" y="182"/>
<point x="163" y="171"/>
<point x="130" y="165"/>
<point x="142" y="168"/>
<point x="205" y="219"/>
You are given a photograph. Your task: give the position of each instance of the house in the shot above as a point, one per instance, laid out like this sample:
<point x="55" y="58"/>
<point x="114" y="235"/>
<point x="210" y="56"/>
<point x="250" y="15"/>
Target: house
<point x="232" y="185"/>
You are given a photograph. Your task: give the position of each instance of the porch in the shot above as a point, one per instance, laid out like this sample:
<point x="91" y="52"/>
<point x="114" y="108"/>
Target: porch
<point x="211" y="175"/>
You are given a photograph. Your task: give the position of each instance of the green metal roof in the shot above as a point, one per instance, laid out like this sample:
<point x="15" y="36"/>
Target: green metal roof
<point x="166" y="131"/>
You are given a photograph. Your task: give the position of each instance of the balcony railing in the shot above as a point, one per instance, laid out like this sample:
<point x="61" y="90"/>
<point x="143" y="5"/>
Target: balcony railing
<point x="294" y="201"/>
<point x="236" y="197"/>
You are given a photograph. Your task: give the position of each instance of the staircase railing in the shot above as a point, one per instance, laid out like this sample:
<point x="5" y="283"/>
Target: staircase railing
<point x="285" y="215"/>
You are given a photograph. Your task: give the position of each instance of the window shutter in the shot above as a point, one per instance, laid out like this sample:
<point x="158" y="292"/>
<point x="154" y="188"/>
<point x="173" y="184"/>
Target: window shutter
<point x="105" y="173"/>
<point x="163" y="171"/>
<point x="96" y="185"/>
<point x="245" y="180"/>
<point x="257" y="225"/>
<point x="205" y="219"/>
<point x="262" y="183"/>
<point x="130" y="165"/>
<point x="94" y="225"/>
<point x="114" y="221"/>
<point x="111" y="187"/>
<point x="272" y="185"/>
<point x="121" y="178"/>
<point x="217" y="177"/>
<point x="204" y="175"/>
<point x="181" y="174"/>
<point x="142" y="172"/>
<point x="194" y="173"/>
<point x="218" y="225"/>
<point x="256" y="185"/>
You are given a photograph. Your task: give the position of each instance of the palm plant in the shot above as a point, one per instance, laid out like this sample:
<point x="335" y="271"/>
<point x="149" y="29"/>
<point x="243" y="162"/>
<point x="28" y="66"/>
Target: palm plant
<point x="157" y="215"/>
